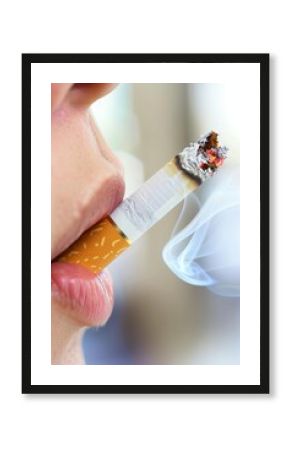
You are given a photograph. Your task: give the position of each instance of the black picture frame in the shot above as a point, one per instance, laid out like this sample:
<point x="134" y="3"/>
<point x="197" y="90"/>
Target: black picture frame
<point x="27" y="61"/>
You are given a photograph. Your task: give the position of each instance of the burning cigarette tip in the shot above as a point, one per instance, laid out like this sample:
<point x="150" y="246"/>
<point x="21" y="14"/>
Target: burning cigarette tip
<point x="202" y="158"/>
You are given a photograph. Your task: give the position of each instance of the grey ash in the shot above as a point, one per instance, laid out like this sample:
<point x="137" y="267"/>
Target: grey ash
<point x="202" y="158"/>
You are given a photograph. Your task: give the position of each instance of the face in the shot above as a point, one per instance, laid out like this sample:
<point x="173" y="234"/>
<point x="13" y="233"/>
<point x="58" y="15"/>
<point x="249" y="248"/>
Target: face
<point x="87" y="184"/>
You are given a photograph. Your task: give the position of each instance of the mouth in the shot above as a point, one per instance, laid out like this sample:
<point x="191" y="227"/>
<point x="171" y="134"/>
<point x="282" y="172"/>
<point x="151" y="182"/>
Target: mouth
<point x="87" y="297"/>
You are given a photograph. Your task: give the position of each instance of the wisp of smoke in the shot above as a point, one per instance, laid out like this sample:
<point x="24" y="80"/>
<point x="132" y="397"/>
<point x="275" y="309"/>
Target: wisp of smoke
<point x="204" y="248"/>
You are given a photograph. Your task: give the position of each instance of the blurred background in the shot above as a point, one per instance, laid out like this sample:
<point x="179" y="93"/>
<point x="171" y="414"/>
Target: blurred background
<point x="158" y="318"/>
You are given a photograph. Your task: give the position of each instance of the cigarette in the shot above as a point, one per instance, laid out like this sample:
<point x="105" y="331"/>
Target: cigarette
<point x="110" y="237"/>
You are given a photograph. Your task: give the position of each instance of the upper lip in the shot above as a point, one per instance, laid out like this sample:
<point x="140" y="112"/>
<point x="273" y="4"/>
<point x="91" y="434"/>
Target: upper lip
<point x="93" y="210"/>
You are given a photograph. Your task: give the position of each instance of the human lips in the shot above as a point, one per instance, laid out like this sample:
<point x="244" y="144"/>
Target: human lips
<point x="87" y="297"/>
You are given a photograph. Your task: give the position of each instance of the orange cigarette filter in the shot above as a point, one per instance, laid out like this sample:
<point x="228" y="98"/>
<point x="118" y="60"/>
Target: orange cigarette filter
<point x="98" y="246"/>
<point x="110" y="237"/>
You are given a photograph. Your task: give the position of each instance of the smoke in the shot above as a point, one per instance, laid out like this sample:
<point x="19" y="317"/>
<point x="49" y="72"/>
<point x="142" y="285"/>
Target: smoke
<point x="204" y="248"/>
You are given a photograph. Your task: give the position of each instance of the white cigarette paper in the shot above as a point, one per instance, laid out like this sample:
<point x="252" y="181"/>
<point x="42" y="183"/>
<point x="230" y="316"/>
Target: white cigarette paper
<point x="102" y="243"/>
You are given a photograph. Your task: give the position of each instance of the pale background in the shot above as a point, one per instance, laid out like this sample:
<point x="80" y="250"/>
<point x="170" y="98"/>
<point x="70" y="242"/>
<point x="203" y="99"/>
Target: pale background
<point x="204" y="421"/>
<point x="159" y="319"/>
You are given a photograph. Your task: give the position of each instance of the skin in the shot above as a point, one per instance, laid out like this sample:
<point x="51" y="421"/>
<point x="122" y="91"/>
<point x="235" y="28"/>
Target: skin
<point x="87" y="184"/>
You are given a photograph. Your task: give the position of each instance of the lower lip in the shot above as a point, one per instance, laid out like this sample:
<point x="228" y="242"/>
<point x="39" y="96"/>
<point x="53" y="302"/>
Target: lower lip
<point x="87" y="297"/>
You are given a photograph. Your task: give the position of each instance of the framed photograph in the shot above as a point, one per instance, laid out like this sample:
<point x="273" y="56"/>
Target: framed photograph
<point x="145" y="223"/>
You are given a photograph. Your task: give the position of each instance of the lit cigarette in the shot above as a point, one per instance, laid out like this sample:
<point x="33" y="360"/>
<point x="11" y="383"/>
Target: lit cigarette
<point x="106" y="240"/>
